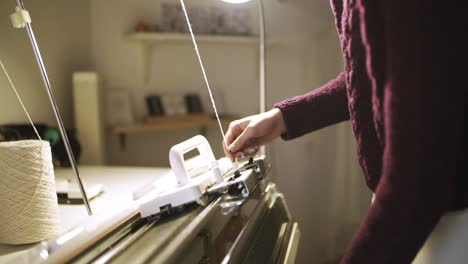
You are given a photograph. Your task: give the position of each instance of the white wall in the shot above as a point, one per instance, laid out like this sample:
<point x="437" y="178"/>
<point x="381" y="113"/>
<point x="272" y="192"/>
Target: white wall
<point x="174" y="69"/>
<point x="62" y="29"/>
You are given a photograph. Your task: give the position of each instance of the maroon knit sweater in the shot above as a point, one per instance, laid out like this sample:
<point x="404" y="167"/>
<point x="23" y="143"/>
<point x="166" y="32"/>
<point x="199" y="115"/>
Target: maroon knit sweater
<point x="406" y="103"/>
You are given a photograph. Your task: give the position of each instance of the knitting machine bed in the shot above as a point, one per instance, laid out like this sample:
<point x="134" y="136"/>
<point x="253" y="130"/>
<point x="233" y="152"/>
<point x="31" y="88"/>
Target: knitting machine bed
<point x="246" y="221"/>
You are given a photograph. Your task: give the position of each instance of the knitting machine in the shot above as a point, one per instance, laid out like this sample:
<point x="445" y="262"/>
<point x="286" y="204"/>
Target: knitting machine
<point x="201" y="211"/>
<point x="199" y="179"/>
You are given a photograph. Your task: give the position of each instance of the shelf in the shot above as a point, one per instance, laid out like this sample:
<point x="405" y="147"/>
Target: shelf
<point x="147" y="41"/>
<point x="154" y="124"/>
<point x="155" y="38"/>
<point x="170" y="122"/>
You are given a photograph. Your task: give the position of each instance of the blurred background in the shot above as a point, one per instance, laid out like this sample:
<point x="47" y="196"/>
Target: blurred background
<point x="129" y="86"/>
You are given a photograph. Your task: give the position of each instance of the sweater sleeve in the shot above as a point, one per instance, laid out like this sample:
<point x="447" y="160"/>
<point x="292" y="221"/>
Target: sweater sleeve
<point x="319" y="108"/>
<point x="423" y="125"/>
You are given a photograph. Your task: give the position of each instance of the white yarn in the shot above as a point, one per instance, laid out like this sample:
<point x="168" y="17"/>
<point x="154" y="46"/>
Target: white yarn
<point x="202" y="67"/>
<point x="19" y="98"/>
<point x="28" y="200"/>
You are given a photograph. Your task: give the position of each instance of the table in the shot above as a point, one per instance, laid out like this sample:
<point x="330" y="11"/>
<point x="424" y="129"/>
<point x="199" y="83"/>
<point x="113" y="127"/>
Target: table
<point x="119" y="184"/>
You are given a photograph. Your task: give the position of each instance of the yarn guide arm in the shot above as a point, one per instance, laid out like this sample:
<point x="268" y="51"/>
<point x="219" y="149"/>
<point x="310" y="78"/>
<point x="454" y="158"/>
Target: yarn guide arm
<point x="21" y="19"/>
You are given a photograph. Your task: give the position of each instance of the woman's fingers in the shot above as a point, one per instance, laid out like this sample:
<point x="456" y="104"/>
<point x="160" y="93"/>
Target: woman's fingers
<point x="235" y="129"/>
<point x="248" y="152"/>
<point x="230" y="134"/>
<point x="251" y="151"/>
<point x="241" y="141"/>
<point x="228" y="154"/>
<point x="245" y="136"/>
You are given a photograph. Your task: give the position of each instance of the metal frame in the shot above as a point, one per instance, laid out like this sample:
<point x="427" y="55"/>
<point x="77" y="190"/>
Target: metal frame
<point x="262" y="62"/>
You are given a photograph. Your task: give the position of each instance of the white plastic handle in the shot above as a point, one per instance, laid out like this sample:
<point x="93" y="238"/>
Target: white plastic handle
<point x="176" y="156"/>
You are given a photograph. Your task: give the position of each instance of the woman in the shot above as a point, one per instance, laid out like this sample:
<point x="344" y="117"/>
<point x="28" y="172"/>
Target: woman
<point x="410" y="129"/>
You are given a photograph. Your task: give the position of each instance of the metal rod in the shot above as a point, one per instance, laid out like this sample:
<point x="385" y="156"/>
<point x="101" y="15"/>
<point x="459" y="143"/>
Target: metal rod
<point x="262" y="49"/>
<point x="125" y="243"/>
<point x="183" y="238"/>
<point x="47" y="85"/>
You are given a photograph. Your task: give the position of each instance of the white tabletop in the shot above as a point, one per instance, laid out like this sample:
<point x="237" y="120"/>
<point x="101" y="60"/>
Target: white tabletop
<point x="119" y="184"/>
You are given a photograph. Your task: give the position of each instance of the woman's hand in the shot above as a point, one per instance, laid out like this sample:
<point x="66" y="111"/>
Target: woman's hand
<point x="245" y="136"/>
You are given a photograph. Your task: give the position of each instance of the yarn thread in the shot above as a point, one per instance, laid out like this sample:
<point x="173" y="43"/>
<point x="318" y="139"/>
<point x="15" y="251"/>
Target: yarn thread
<point x="19" y="98"/>
<point x="29" y="209"/>
<point x="202" y="67"/>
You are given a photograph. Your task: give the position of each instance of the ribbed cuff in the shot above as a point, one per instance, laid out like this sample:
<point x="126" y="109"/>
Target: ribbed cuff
<point x="287" y="112"/>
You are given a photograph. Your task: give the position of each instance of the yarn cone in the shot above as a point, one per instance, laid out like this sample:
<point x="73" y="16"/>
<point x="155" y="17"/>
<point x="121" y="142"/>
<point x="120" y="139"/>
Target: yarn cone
<point x="29" y="209"/>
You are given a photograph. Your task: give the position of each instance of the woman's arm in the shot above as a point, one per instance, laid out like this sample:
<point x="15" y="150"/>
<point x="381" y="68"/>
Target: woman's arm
<point x="319" y="108"/>
<point x="322" y="107"/>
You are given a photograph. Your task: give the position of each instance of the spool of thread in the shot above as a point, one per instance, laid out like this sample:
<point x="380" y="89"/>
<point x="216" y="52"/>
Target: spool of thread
<point x="29" y="209"/>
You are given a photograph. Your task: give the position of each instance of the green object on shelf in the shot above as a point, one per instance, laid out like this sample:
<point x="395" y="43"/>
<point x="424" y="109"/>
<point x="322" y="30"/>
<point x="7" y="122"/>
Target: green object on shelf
<point x="52" y="135"/>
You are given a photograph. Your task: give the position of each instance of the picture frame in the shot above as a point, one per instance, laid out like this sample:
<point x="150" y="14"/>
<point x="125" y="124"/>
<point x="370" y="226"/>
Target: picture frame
<point x="118" y="107"/>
